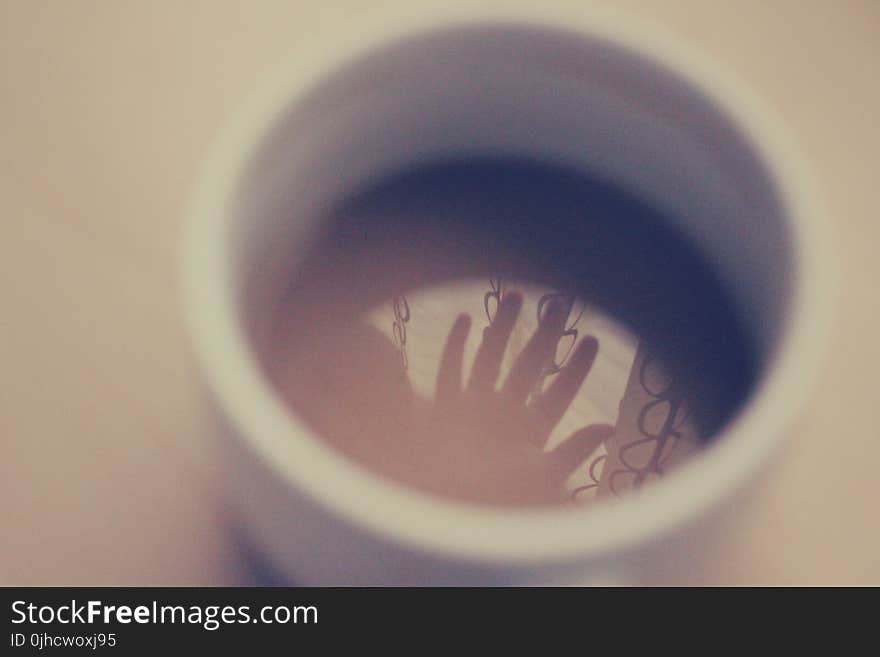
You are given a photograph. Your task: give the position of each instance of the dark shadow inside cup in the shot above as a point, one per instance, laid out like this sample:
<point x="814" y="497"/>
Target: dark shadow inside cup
<point x="550" y="225"/>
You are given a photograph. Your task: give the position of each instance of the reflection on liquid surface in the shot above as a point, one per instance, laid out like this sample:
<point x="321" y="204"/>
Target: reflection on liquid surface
<point x="488" y="391"/>
<point x="460" y="329"/>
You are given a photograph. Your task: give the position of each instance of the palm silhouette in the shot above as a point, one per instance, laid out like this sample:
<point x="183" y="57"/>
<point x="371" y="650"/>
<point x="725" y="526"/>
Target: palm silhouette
<point x="474" y="441"/>
<point x="489" y="442"/>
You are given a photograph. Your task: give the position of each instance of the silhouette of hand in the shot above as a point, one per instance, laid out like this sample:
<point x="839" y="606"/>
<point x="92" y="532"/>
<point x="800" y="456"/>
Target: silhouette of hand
<point x="488" y="444"/>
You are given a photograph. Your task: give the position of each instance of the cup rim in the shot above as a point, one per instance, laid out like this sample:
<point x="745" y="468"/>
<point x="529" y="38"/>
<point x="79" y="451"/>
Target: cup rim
<point x="311" y="467"/>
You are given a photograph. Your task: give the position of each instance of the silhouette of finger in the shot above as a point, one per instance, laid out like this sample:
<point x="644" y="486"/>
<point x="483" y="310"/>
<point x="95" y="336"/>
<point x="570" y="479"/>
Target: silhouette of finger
<point x="554" y="402"/>
<point x="449" y="372"/>
<point x="529" y="365"/>
<point x="570" y="454"/>
<point x="487" y="362"/>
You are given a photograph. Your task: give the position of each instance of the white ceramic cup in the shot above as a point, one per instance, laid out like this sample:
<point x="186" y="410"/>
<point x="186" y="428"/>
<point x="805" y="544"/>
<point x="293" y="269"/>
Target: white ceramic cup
<point x="563" y="85"/>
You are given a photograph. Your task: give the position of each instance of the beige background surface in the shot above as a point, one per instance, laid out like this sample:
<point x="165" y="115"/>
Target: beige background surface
<point x="107" y="473"/>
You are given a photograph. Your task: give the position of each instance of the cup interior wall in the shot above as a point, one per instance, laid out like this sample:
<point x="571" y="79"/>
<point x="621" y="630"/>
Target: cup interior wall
<point x="620" y="180"/>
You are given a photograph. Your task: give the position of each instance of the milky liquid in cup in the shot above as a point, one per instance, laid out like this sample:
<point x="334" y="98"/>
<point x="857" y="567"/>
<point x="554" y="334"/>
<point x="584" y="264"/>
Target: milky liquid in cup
<point x="360" y="336"/>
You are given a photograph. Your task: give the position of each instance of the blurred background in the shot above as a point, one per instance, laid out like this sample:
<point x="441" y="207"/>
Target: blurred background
<point x="108" y="473"/>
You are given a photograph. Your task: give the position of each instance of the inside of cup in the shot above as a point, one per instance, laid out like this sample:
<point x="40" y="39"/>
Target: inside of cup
<point x="668" y="218"/>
